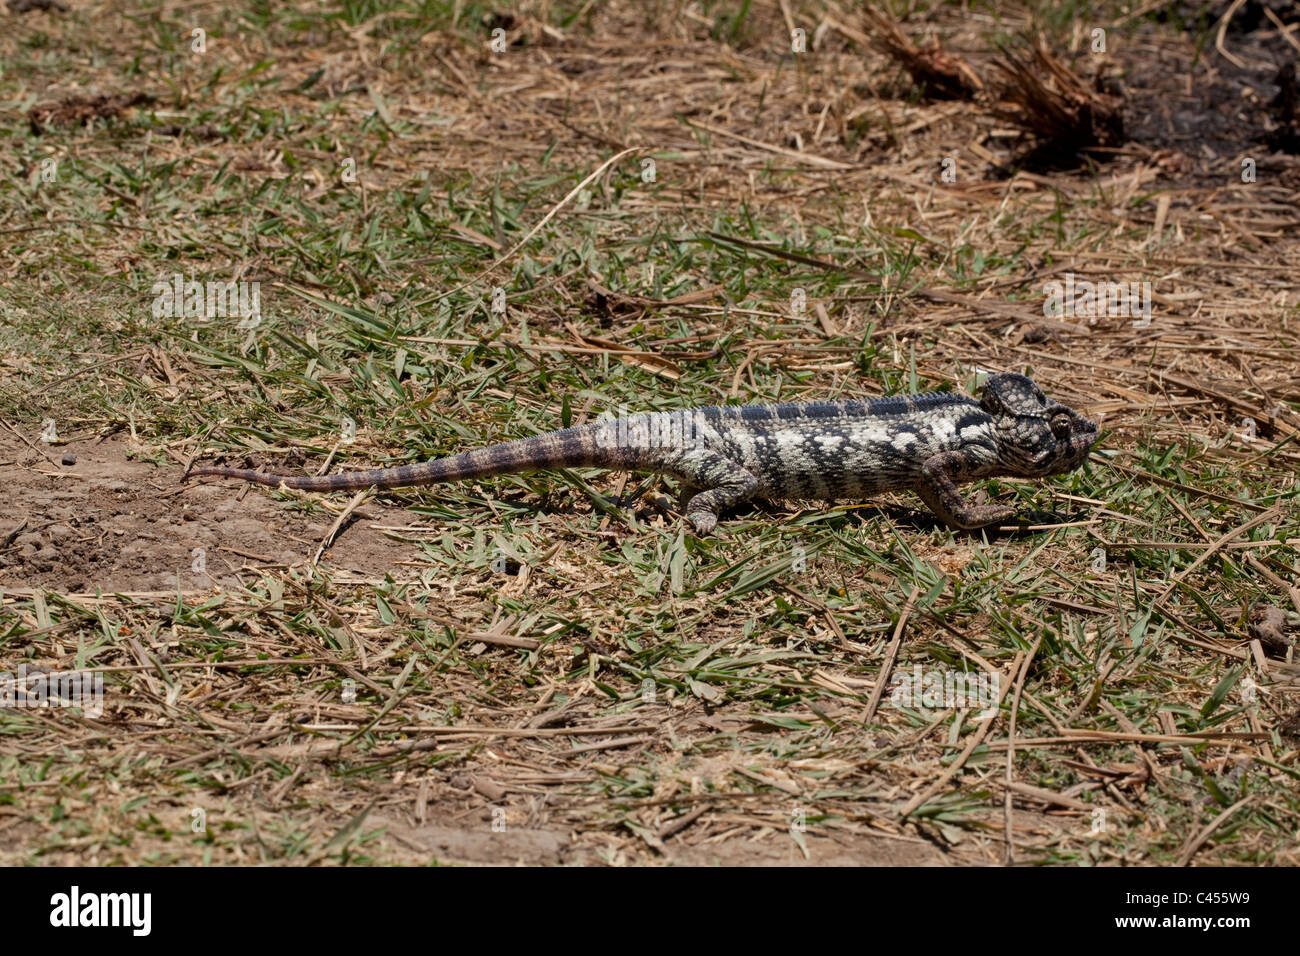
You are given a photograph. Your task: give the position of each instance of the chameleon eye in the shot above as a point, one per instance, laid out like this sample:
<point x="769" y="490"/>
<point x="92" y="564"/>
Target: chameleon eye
<point x="1061" y="427"/>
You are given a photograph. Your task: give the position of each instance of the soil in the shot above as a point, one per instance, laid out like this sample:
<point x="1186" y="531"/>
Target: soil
<point x="415" y="843"/>
<point x="113" y="522"/>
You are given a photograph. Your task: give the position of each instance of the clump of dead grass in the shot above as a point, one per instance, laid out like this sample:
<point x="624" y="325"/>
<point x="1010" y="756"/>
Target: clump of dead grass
<point x="939" y="75"/>
<point x="1055" y="105"/>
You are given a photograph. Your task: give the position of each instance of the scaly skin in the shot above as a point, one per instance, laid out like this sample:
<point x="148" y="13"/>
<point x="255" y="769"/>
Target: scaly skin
<point x="830" y="450"/>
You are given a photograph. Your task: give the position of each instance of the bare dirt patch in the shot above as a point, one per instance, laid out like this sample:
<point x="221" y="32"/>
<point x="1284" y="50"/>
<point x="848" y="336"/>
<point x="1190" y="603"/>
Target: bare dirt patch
<point x="109" y="522"/>
<point x="421" y="842"/>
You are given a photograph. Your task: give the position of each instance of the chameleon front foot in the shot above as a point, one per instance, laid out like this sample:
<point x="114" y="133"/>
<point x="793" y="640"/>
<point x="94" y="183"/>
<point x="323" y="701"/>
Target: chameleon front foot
<point x="974" y="517"/>
<point x="939" y="491"/>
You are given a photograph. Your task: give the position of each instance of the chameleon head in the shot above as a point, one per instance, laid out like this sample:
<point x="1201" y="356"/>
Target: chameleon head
<point x="1036" y="436"/>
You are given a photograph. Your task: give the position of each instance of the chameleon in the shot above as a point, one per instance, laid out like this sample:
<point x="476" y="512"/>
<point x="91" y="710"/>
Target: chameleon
<point x="724" y="455"/>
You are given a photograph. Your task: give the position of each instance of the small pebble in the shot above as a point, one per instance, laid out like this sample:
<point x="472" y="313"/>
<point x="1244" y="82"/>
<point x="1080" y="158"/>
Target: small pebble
<point x="69" y="459"/>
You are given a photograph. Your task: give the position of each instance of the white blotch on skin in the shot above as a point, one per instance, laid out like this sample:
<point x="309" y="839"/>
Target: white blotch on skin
<point x="789" y="447"/>
<point x="945" y="431"/>
<point x="903" y="440"/>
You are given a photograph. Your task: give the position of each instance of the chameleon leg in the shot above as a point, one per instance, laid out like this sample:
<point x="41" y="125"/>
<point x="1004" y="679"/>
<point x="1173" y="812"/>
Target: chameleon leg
<point x="728" y="484"/>
<point x="939" y="491"/>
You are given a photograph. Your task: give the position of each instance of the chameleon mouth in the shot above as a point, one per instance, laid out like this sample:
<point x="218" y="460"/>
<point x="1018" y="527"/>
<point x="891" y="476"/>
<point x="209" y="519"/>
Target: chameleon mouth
<point x="1081" y="444"/>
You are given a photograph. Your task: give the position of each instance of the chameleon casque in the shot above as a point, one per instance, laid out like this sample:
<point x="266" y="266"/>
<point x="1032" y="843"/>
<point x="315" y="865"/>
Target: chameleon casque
<point x="727" y="454"/>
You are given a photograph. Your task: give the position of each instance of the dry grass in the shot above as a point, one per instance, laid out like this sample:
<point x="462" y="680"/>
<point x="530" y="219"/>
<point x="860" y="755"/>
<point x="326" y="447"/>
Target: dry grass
<point x="1051" y="101"/>
<point x="936" y="73"/>
<point x="549" y="669"/>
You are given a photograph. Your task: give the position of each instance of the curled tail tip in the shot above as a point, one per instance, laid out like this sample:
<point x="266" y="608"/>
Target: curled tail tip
<point x="222" y="471"/>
